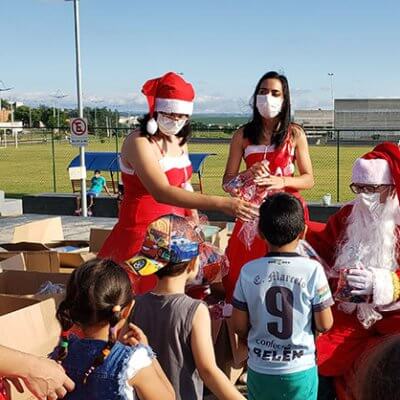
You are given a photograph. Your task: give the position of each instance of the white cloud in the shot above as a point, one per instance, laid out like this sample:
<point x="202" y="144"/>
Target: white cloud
<point x="302" y="98"/>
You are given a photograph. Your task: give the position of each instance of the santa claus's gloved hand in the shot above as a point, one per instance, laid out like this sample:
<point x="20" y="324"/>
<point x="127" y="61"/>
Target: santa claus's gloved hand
<point x="361" y="280"/>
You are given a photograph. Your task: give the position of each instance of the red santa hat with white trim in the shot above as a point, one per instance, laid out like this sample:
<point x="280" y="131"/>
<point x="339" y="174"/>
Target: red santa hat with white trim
<point x="169" y="93"/>
<point x="381" y="166"/>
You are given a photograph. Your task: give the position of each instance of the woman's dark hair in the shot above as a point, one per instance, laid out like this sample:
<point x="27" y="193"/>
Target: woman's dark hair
<point x="253" y="130"/>
<point x="97" y="291"/>
<point x="379" y="377"/>
<point x="185" y="133"/>
<point x="281" y="218"/>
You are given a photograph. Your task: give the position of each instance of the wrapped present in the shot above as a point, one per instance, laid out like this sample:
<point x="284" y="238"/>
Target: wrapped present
<point x="343" y="291"/>
<point x="244" y="187"/>
<point x="213" y="265"/>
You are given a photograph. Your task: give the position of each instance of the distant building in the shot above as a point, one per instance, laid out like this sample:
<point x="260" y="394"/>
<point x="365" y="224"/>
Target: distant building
<point x="5" y="115"/>
<point x="130" y="121"/>
<point x="371" y="114"/>
<point x="317" y="120"/>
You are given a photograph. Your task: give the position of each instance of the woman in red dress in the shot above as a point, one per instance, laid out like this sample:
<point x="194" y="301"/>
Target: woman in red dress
<point x="268" y="136"/>
<point x="156" y="173"/>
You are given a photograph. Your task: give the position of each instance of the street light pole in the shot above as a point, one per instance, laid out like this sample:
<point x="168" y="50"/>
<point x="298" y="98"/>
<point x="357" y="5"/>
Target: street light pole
<point x="331" y="75"/>
<point x="58" y="95"/>
<point x="79" y="98"/>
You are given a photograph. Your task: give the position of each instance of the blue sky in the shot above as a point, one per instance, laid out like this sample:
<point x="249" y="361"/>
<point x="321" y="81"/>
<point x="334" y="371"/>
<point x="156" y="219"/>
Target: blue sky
<point x="221" y="46"/>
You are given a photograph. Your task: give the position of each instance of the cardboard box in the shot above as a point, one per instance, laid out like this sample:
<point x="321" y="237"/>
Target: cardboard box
<point x="27" y="284"/>
<point x="224" y="234"/>
<point x="224" y="353"/>
<point x="30" y="326"/>
<point x="49" y="257"/>
<point x="12" y="262"/>
<point x="38" y="240"/>
<point x="97" y="238"/>
<point x="219" y="233"/>
<point x="39" y="261"/>
<point x="45" y="230"/>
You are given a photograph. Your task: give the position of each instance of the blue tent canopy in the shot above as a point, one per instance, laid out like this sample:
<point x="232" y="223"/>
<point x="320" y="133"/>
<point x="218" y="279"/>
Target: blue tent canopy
<point x="103" y="161"/>
<point x="109" y="161"/>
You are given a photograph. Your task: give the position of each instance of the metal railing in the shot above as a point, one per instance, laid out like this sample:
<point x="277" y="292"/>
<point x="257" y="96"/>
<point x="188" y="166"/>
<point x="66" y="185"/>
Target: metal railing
<point x="36" y="160"/>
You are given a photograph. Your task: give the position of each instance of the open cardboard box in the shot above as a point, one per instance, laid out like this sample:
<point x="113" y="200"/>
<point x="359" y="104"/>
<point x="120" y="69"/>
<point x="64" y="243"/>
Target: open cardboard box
<point x="12" y="262"/>
<point x="26" y="284"/>
<point x="30" y="326"/>
<point x="97" y="238"/>
<point x="230" y="353"/>
<point x="220" y="235"/>
<point x="44" y="248"/>
<point x="40" y="261"/>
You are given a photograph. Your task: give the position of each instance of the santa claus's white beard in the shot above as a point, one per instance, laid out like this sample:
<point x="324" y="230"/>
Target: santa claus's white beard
<point x="370" y="238"/>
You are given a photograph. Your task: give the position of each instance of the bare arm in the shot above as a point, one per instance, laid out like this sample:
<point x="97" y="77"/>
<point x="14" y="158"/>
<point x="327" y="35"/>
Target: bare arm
<point x="150" y="383"/>
<point x="235" y="156"/>
<point x="204" y="357"/>
<point x="305" y="179"/>
<point x="138" y="152"/>
<point x="240" y="321"/>
<point x="40" y="375"/>
<point x="323" y="320"/>
<point x="106" y="189"/>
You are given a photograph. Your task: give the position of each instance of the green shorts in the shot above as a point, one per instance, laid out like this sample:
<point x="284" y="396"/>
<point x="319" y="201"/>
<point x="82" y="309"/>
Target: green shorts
<point x="301" y="385"/>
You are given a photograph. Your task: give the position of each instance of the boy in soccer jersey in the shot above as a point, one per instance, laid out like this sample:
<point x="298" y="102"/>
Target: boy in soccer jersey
<point x="278" y="301"/>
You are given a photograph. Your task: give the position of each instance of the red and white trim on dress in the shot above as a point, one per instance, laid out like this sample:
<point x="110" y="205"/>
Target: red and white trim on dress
<point x="174" y="106"/>
<point x="166" y="164"/>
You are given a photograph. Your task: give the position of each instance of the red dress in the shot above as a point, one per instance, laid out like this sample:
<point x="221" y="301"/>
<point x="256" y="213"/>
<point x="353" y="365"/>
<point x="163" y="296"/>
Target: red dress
<point x="281" y="162"/>
<point x="138" y="210"/>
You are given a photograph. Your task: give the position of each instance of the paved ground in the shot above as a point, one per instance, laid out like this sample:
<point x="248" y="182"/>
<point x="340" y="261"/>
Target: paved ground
<point x="74" y="227"/>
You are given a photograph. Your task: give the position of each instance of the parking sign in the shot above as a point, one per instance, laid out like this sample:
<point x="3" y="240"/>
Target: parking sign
<point x="79" y="131"/>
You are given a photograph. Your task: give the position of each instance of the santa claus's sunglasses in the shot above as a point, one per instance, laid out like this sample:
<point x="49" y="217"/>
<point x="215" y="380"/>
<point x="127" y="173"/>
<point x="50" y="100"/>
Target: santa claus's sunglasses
<point x="356" y="188"/>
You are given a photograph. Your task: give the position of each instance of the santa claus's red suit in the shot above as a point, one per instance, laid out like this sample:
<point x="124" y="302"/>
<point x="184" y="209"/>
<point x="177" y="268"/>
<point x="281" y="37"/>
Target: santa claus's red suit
<point x="363" y="236"/>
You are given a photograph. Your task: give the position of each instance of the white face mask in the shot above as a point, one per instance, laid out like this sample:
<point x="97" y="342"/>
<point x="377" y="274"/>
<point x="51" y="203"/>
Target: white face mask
<point x="269" y="106"/>
<point x="372" y="202"/>
<point x="169" y="126"/>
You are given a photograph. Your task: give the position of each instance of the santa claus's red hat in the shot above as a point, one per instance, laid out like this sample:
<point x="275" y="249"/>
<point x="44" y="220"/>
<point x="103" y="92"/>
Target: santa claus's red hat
<point x="169" y="93"/>
<point x="381" y="166"/>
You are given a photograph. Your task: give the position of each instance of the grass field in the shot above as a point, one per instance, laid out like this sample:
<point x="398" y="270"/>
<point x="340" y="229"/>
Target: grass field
<point x="29" y="169"/>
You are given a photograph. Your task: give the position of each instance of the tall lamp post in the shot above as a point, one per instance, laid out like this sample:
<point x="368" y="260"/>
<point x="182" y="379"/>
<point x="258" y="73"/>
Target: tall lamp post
<point x="331" y="75"/>
<point x="96" y="102"/>
<point x="79" y="98"/>
<point x="58" y="95"/>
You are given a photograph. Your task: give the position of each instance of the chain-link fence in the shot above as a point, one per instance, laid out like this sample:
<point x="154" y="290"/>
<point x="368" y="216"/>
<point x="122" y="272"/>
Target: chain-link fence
<point x="36" y="160"/>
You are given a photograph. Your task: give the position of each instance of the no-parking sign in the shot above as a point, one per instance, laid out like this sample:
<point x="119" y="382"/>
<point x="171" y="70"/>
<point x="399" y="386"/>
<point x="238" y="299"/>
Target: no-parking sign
<point x="79" y="131"/>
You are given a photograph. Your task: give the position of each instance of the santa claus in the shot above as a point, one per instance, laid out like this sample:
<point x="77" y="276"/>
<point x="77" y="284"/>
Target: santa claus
<point x="360" y="244"/>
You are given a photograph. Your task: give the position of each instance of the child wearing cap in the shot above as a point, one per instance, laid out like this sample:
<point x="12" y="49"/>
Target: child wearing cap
<point x="277" y="301"/>
<point x="178" y="327"/>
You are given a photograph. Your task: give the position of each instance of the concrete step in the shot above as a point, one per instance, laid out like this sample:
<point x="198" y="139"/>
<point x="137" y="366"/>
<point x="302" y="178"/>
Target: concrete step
<point x="10" y="207"/>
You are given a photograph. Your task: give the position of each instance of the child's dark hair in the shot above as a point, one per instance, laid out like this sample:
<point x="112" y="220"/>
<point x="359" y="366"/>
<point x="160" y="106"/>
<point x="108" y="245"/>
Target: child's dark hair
<point x="97" y="171"/>
<point x="281" y="218"/>
<point x="379" y="377"/>
<point x="172" y="269"/>
<point x="97" y="291"/>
